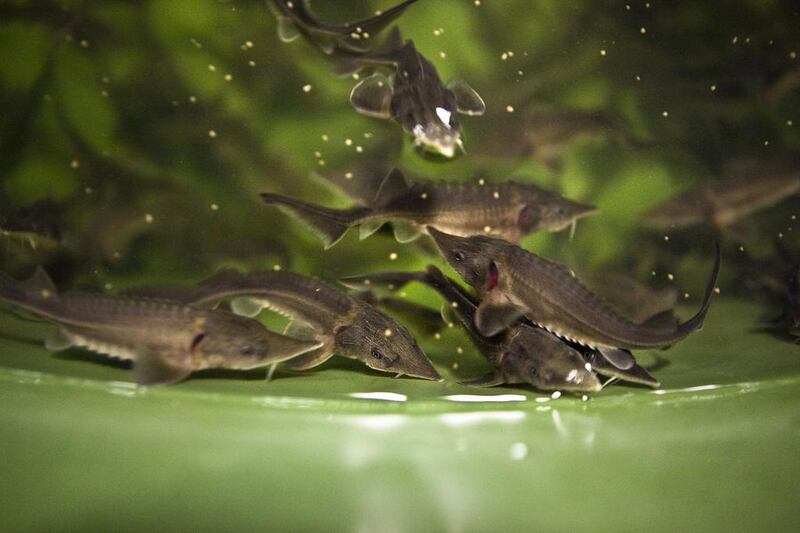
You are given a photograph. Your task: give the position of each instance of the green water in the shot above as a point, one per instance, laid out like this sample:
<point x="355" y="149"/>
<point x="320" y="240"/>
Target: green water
<point x="154" y="125"/>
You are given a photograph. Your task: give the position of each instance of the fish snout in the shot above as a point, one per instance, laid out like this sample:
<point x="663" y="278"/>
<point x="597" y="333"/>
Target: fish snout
<point x="438" y="140"/>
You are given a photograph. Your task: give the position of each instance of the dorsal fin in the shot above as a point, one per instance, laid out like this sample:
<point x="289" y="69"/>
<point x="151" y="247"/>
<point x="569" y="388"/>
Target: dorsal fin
<point x="40" y="281"/>
<point x="394" y="184"/>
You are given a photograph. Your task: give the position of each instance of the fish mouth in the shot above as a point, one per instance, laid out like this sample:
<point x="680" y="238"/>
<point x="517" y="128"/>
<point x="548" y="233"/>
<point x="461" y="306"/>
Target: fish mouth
<point x="447" y="147"/>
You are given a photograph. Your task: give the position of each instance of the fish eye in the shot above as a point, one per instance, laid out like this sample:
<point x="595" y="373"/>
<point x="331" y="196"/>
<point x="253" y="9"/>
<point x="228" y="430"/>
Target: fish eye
<point x="376" y="352"/>
<point x="458" y="255"/>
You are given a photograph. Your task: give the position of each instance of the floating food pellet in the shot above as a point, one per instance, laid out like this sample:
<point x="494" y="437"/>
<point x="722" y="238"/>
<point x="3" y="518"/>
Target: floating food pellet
<point x="251" y="63"/>
<point x="481" y="182"/>
<point x="665" y="114"/>
<point x="454" y="305"/>
<point x="487" y="229"/>
<point x="148" y="218"/>
<point x="348" y="142"/>
<point x="496" y="195"/>
<point x="670" y="277"/>
<point x="325" y="138"/>
<point x="713" y="88"/>
<point x="387" y="332"/>
<point x="459" y="350"/>
<point x="556" y="395"/>
<point x="248" y="44"/>
<point x="348" y="175"/>
<point x="437" y="336"/>
<point x="642" y="30"/>
<point x="212" y="68"/>
<point x="393" y="256"/>
<point x="602" y="53"/>
<point x="212" y="134"/>
<point x="75" y="164"/>
<point x="193" y="99"/>
<point x="423" y="195"/>
<point x="442" y="55"/>
<point x="455" y="365"/>
<point x="359" y="149"/>
<point x="215" y="207"/>
<point x="229" y="77"/>
<point x="307" y="88"/>
<point x="510" y="108"/>
<point x="276" y="267"/>
<point x="84" y="43"/>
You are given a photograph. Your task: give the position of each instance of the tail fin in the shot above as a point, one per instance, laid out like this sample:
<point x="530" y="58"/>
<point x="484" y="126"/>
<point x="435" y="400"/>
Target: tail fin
<point x="696" y="322"/>
<point x="329" y="224"/>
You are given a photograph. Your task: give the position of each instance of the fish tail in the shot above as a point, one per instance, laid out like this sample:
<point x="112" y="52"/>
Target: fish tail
<point x="696" y="322"/>
<point x="329" y="224"/>
<point x="35" y="294"/>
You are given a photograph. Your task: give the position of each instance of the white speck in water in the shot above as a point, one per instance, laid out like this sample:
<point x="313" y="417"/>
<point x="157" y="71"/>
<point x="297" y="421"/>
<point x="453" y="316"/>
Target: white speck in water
<point x="588" y="366"/>
<point x="713" y="88"/>
<point x="665" y="114"/>
<point x="307" y="88"/>
<point x="348" y="142"/>
<point x="75" y="164"/>
<point x="348" y="175"/>
<point x="359" y="148"/>
<point x="443" y="55"/>
<point x="276" y="267"/>
<point x="212" y="68"/>
<point x="212" y="134"/>
<point x="459" y="350"/>
<point x="487" y="229"/>
<point x="518" y="451"/>
<point x="556" y="395"/>
<point x="215" y="207"/>
<point x="228" y="77"/>
<point x="510" y="108"/>
<point x="481" y="182"/>
<point x="393" y="256"/>
<point x="603" y="52"/>
<point x="642" y="30"/>
<point x="148" y="218"/>
<point x="496" y="195"/>
<point x="387" y="332"/>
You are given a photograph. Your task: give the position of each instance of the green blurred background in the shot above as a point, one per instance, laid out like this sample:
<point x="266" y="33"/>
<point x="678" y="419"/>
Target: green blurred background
<point x="152" y="126"/>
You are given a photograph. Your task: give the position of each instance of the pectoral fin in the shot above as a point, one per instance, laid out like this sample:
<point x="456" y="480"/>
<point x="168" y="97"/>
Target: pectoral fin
<point x="287" y="31"/>
<point x="621" y="359"/>
<point x="245" y="306"/>
<point x="300" y="330"/>
<point x="406" y="232"/>
<point x="368" y="228"/>
<point x="152" y="368"/>
<point x="492" y="379"/>
<point x="373" y="96"/>
<point x="468" y="101"/>
<point x="312" y="358"/>
<point x="58" y="340"/>
<point x="496" y="313"/>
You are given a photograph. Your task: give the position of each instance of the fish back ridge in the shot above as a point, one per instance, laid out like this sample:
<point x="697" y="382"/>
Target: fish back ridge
<point x="329" y="224"/>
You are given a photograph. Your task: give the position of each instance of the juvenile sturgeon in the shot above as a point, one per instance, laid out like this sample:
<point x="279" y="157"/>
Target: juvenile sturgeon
<point x="165" y="340"/>
<point x="515" y="283"/>
<point x="295" y="18"/>
<point x="509" y="210"/>
<point x="520" y="354"/>
<point x="415" y="97"/>
<point x="723" y="203"/>
<point x="339" y="323"/>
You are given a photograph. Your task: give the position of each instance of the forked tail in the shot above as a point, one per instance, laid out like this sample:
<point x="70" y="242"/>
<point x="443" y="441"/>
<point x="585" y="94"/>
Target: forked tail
<point x="329" y="224"/>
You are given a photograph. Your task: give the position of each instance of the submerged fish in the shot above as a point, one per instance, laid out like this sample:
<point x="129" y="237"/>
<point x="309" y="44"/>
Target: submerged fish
<point x="723" y="203"/>
<point x="165" y="340"/>
<point x="515" y="283"/>
<point x="508" y="210"/>
<point x="340" y="323"/>
<point x="520" y="354"/>
<point x="295" y="19"/>
<point x="415" y="97"/>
